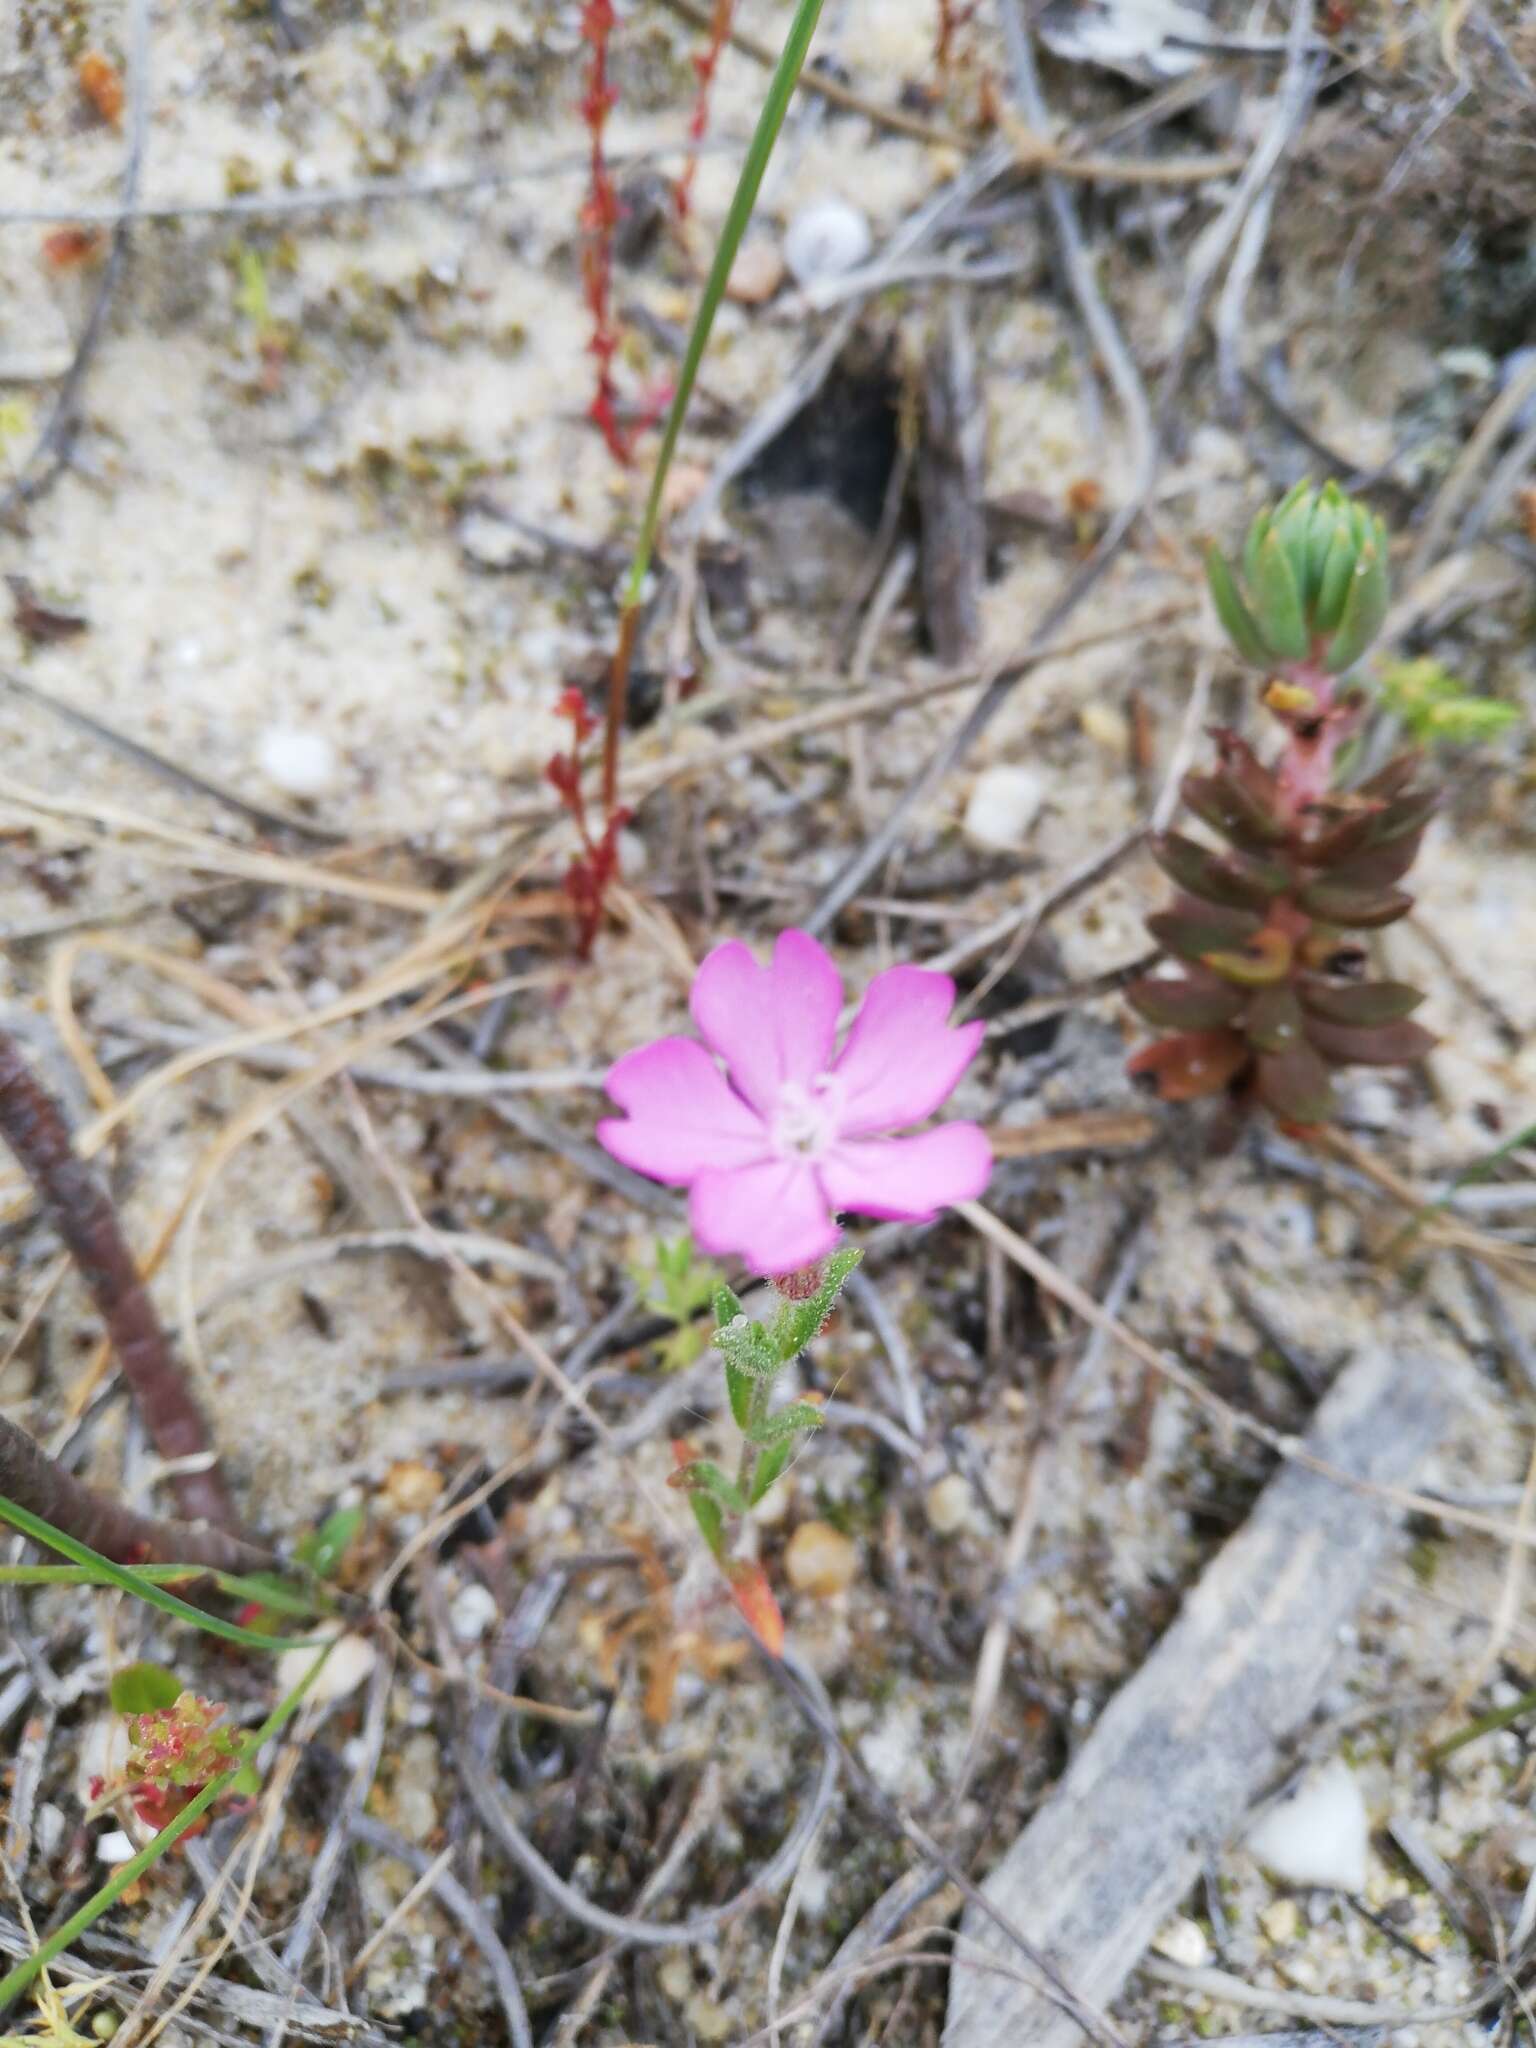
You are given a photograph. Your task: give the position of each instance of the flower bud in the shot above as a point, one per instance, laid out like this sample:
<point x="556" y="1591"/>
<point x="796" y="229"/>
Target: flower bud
<point x="1313" y="586"/>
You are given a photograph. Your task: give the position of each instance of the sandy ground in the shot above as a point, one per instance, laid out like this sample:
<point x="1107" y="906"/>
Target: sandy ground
<point x="283" y="552"/>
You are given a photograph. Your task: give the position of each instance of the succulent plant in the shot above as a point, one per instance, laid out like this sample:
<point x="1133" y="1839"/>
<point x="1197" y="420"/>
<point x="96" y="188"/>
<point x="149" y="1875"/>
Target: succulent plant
<point x="1314" y="582"/>
<point x="1273" y="991"/>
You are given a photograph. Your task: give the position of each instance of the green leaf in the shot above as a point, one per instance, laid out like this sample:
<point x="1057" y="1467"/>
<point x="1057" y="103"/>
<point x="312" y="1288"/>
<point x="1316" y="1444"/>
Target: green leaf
<point x="1277" y="602"/>
<point x="323" y="1549"/>
<point x="1365" y="606"/>
<point x="1232" y="612"/>
<point x="710" y="1520"/>
<point x="739" y="1386"/>
<point x="144" y="1689"/>
<point x="155" y="1596"/>
<point x="769" y="1467"/>
<point x="703" y="1476"/>
<point x="788" y="1423"/>
<point x="799" y="1322"/>
<point x="748" y="1348"/>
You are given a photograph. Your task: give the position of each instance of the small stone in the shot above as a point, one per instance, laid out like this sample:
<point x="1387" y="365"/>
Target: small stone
<point x="1183" y="1941"/>
<point x="1108" y="727"/>
<point x="948" y="1504"/>
<point x="820" y="1560"/>
<point x="825" y="239"/>
<point x="1319" y="1835"/>
<point x="1004" y="803"/>
<point x="411" y="1487"/>
<point x="298" y="762"/>
<point x="756" y="274"/>
<point x="114" y="1848"/>
<point x="471" y="1612"/>
<point x="1280" y="1922"/>
<point x="344" y="1670"/>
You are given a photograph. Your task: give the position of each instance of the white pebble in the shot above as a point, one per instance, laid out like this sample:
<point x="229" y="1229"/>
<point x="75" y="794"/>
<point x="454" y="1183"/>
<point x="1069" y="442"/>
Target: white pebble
<point x="1004" y="803"/>
<point x="114" y="1848"/>
<point x="826" y="238"/>
<point x="1319" y="1835"/>
<point x="297" y="762"/>
<point x="471" y="1612"/>
<point x="948" y="1504"/>
<point x="344" y="1670"/>
<point x="1183" y="1941"/>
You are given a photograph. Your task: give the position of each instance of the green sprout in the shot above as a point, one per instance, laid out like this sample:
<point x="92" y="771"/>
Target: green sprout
<point x="679" y="1286"/>
<point x="1312" y="587"/>
<point x="1437" y="707"/>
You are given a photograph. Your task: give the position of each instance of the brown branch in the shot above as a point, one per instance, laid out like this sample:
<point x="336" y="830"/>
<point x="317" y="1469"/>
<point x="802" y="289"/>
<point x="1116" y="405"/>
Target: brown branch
<point x="30" y="1478"/>
<point x="33" y="1125"/>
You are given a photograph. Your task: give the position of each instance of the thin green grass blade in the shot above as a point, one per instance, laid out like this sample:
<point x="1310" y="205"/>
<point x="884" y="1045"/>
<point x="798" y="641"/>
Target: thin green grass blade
<point x="17" y="1980"/>
<point x="769" y="121"/>
<point x="278" y="1598"/>
<point x="1469" y="1176"/>
<point x="123" y="1576"/>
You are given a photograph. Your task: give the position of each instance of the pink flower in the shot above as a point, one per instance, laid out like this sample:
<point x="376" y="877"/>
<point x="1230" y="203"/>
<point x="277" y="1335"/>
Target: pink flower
<point x="795" y="1131"/>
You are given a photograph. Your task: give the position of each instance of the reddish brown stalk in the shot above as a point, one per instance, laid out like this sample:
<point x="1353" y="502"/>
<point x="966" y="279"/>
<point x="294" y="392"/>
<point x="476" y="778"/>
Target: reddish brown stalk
<point x="599" y="218"/>
<point x="597" y="863"/>
<point x="704" y="62"/>
<point x="33" y="1125"/>
<point x="30" y="1478"/>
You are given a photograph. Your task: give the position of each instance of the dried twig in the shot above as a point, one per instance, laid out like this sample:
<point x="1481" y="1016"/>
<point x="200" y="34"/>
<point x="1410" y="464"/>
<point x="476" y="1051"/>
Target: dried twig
<point x="33" y="1126"/>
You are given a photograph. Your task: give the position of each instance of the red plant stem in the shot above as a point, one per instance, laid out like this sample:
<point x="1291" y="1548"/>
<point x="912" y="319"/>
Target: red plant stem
<point x="33" y="1125"/>
<point x="33" y="1480"/>
<point x="704" y="63"/>
<point x="599" y="218"/>
<point x="1313" y="739"/>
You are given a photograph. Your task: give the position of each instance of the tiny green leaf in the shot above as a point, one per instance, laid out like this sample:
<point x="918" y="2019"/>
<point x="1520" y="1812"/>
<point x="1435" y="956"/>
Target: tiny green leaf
<point x="710" y="1520"/>
<point x="799" y="1322"/>
<point x="703" y="1476"/>
<point x="748" y="1347"/>
<point x="769" y="1467"/>
<point x="1231" y="610"/>
<point x="1277" y="602"/>
<point x="144" y="1689"/>
<point x="739" y="1385"/>
<point x="789" y="1422"/>
<point x="323" y="1549"/>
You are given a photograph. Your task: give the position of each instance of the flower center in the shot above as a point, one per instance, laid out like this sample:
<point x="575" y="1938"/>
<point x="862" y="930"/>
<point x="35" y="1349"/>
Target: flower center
<point x="805" y="1118"/>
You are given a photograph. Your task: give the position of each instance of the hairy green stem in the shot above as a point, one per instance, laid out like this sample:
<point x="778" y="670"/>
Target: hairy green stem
<point x="746" y="1470"/>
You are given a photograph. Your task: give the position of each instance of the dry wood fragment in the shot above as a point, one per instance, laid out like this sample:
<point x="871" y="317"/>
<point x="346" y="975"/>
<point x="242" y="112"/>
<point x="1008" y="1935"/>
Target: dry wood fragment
<point x="949" y="489"/>
<point x="1188" y="1744"/>
<point x="1083" y="1130"/>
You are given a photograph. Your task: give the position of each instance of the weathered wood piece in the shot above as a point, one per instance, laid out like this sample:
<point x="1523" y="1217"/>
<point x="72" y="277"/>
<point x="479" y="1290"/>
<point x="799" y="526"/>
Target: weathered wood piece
<point x="1183" y="1750"/>
<point x="950" y="462"/>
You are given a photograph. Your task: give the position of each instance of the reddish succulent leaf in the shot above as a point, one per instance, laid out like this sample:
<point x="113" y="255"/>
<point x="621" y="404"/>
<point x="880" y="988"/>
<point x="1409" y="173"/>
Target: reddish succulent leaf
<point x="1370" y="1045"/>
<point x="1222" y="804"/>
<point x="1192" y="1064"/>
<point x="1378" y="867"/>
<point x="1242" y="766"/>
<point x="1336" y="828"/>
<point x="1360" y="909"/>
<point x="1213" y="880"/>
<point x="1394" y="778"/>
<point x="1184" y="1005"/>
<point x="1358" y="1002"/>
<point x="1409" y="813"/>
<point x="754" y="1596"/>
<point x="1296" y="1085"/>
<point x="1274" y="1021"/>
<point x="1262" y="960"/>
<point x="1191" y="933"/>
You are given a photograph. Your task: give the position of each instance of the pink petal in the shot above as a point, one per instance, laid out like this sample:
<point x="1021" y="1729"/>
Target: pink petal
<point x="683" y="1115"/>
<point x="909" y="1179"/>
<point x="902" y="1058"/>
<point x="773" y="1215"/>
<point x="769" y="1024"/>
